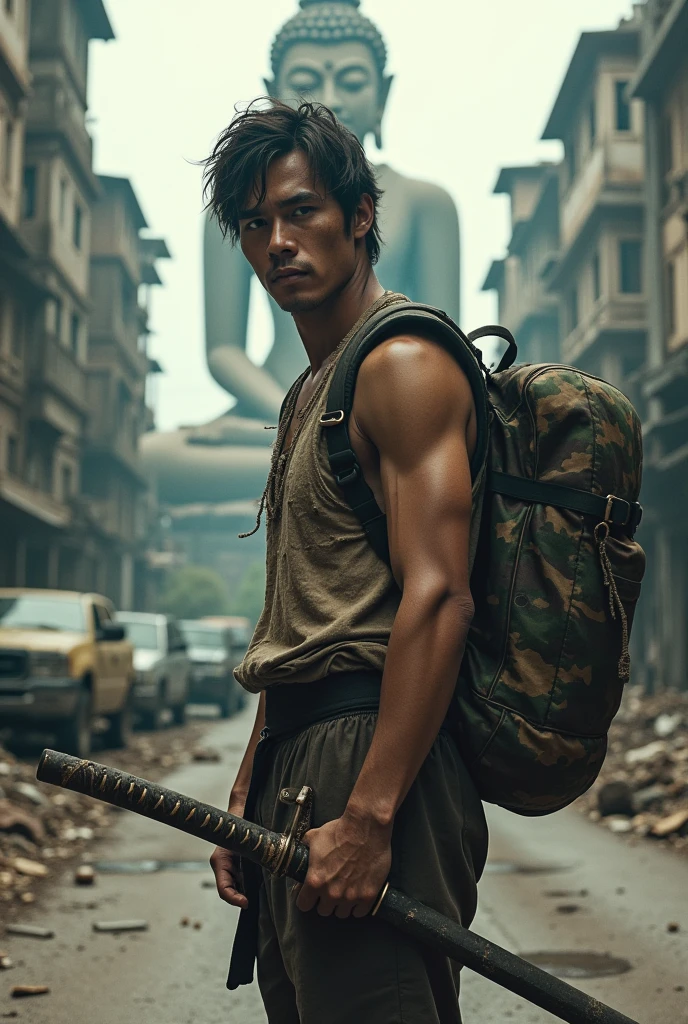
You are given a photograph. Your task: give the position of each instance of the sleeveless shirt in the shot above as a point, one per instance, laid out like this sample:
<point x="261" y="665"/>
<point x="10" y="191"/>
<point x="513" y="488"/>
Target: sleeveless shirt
<point x="330" y="602"/>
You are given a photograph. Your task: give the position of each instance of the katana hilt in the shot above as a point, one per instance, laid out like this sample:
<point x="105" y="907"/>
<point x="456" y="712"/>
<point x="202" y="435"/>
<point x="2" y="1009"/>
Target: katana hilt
<point x="181" y="812"/>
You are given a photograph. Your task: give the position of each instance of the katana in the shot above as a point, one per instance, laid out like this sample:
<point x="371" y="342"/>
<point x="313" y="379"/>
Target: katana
<point x="282" y="854"/>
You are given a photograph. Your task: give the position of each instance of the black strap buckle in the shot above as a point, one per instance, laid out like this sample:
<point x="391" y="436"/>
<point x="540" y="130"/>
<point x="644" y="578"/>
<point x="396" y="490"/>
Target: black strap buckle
<point x="345" y="467"/>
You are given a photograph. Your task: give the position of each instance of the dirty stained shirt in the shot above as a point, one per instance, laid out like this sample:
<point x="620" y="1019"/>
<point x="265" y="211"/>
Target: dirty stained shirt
<point x="330" y="602"/>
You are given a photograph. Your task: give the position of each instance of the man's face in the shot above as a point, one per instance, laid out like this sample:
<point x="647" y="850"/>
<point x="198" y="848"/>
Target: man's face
<point x="296" y="240"/>
<point x="343" y="76"/>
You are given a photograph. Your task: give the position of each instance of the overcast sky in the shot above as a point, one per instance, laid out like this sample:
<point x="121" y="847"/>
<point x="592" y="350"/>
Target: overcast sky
<point x="473" y="88"/>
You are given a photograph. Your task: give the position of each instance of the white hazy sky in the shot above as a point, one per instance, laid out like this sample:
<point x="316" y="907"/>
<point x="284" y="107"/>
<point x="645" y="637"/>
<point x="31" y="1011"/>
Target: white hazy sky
<point x="474" y="85"/>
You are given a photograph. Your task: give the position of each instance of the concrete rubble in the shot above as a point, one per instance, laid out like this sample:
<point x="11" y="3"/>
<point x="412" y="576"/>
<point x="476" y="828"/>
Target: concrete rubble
<point x="642" y="790"/>
<point x="43" y="829"/>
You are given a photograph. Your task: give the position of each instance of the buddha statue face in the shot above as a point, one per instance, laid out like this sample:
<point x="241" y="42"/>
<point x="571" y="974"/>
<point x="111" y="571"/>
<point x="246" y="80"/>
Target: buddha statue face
<point x="343" y="76"/>
<point x="330" y="53"/>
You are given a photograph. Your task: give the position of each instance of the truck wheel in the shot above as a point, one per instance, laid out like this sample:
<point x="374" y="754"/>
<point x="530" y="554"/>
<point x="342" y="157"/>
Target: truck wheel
<point x="179" y="713"/>
<point x="226" y="706"/>
<point x="119" y="733"/>
<point x="152" y="719"/>
<point x="74" y="735"/>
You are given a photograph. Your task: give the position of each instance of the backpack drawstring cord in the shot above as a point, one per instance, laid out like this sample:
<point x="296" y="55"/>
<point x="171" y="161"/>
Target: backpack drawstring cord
<point x="615" y="602"/>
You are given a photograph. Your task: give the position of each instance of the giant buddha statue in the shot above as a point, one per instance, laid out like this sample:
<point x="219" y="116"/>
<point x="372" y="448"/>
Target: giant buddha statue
<point x="328" y="52"/>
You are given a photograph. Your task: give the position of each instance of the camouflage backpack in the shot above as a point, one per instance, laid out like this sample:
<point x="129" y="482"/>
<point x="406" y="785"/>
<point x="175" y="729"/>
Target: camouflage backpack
<point x="556" y="572"/>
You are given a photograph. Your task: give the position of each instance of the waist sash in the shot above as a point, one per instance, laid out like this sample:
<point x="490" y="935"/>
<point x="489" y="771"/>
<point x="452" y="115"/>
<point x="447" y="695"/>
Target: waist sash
<point x="289" y="709"/>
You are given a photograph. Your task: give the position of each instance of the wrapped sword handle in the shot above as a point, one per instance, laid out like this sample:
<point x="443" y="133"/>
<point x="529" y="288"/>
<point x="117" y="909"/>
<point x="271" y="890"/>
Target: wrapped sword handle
<point x="194" y="817"/>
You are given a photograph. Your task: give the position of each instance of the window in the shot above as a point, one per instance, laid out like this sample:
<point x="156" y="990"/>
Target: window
<point x="74" y="333"/>
<point x="9" y="7"/>
<point x="667" y="131"/>
<point x="17" y="333"/>
<point x="9" y="149"/>
<point x="62" y="209"/>
<point x="58" y="319"/>
<point x="671" y="298"/>
<point x="623" y="107"/>
<point x="630" y="267"/>
<point x="13" y="455"/>
<point x="571" y="158"/>
<point x="67" y="482"/>
<point x="78" y="225"/>
<point x="596" y="277"/>
<point x="29" y="193"/>
<point x="592" y="121"/>
<point x="573" y="308"/>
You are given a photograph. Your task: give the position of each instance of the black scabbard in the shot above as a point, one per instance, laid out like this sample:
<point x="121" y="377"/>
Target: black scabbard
<point x="273" y="852"/>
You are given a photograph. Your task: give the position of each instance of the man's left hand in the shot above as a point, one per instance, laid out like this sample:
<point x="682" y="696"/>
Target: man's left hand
<point x="348" y="865"/>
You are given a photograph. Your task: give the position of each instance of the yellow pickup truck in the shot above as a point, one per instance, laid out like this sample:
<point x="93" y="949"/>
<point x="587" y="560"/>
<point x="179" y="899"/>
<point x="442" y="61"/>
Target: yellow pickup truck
<point x="63" y="661"/>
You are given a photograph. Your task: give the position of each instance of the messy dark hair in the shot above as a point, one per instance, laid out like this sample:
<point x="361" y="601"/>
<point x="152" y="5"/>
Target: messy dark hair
<point x="268" y="129"/>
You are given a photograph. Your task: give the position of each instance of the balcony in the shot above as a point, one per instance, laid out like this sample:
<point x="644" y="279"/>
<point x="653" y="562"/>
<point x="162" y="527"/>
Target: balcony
<point x="608" y="318"/>
<point x="33" y="502"/>
<point x="12" y="374"/>
<point x="54" y="368"/>
<point x="106" y="440"/>
<point x="48" y="116"/>
<point x="612" y="174"/>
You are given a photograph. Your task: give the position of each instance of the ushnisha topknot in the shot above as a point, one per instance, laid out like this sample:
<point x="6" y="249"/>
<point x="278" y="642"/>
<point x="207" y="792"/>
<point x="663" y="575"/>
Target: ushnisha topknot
<point x="329" y="21"/>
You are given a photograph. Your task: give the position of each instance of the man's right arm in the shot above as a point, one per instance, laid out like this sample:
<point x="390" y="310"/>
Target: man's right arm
<point x="225" y="864"/>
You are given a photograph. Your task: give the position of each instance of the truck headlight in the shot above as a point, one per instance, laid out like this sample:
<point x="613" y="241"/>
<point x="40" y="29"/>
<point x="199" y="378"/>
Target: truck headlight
<point x="48" y="664"/>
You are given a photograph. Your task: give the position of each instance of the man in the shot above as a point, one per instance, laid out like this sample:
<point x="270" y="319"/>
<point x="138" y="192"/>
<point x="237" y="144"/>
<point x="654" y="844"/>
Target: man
<point x="355" y="663"/>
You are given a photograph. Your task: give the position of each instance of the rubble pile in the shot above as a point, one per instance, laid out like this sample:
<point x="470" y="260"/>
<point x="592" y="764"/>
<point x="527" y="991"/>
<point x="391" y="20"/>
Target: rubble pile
<point x="43" y="828"/>
<point x="643" y="787"/>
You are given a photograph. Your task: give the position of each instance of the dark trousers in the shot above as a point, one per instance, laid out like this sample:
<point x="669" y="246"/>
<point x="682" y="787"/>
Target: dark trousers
<point x="315" y="970"/>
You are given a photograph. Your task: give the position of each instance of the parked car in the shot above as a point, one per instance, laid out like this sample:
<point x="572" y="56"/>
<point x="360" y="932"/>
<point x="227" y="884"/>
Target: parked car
<point x="212" y="659"/>
<point x="63" y="660"/>
<point x="162" y="670"/>
<point x="240" y="631"/>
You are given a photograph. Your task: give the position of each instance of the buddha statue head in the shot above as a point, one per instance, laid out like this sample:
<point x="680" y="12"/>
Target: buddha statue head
<point x="330" y="53"/>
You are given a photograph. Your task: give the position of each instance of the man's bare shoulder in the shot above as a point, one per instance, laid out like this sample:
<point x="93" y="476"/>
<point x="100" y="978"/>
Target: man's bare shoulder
<point x="410" y="377"/>
<point x="420" y="355"/>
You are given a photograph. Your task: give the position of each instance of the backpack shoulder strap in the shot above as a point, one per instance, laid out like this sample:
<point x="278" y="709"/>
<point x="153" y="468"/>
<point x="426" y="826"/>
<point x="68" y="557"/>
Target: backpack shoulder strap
<point x="402" y="318"/>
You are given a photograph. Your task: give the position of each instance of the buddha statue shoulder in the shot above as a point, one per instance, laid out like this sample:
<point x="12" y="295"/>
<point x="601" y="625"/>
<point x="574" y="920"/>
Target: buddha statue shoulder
<point x="329" y="52"/>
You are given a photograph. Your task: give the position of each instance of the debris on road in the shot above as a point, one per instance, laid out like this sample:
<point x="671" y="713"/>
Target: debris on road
<point x="45" y="826"/>
<point x="206" y="754"/>
<point x="5" y="961"/>
<point x="30" y="931"/>
<point x="85" y="875"/>
<point x="18" y="991"/>
<point x="120" y="926"/>
<point x="31" y="868"/>
<point x="642" y="790"/>
<point x="673" y="927"/>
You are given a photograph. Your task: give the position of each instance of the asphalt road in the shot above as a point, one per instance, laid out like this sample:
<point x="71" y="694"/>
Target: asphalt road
<point x="617" y="899"/>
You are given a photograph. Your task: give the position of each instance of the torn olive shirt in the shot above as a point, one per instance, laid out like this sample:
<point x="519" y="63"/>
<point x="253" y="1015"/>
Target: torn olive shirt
<point x="330" y="602"/>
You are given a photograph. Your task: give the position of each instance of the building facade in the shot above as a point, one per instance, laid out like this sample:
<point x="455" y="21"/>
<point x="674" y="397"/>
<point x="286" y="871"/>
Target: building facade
<point x="526" y="307"/>
<point x="118" y="366"/>
<point x="63" y="231"/>
<point x="661" y="84"/>
<point x="605" y="237"/>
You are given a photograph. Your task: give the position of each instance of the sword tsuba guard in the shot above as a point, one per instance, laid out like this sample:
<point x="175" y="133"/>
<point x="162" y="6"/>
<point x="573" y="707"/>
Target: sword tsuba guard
<point x="300" y="823"/>
<point x="378" y="901"/>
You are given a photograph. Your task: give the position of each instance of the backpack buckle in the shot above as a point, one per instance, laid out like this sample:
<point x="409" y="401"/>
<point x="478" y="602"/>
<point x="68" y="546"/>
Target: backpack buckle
<point x="609" y="510"/>
<point x="332" y="419"/>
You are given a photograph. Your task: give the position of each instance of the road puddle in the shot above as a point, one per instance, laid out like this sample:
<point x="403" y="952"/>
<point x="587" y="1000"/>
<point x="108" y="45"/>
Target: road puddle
<point x="505" y="867"/>
<point x="148" y="867"/>
<point x="578" y="965"/>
